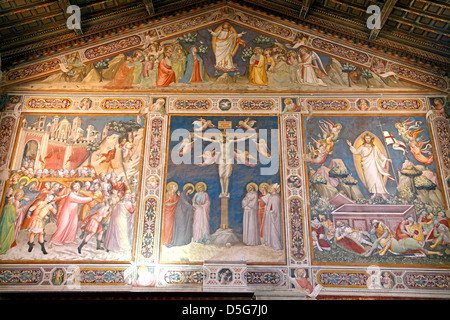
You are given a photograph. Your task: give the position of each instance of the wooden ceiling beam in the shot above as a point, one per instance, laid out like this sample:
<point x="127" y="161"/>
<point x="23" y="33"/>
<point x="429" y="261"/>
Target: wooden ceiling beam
<point x="11" y="11"/>
<point x="422" y="13"/>
<point x="149" y="6"/>
<point x="384" y="15"/>
<point x="419" y="25"/>
<point x="306" y="5"/>
<point x="32" y="19"/>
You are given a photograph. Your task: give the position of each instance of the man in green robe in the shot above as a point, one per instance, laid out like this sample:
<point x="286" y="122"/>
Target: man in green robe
<point x="7" y="226"/>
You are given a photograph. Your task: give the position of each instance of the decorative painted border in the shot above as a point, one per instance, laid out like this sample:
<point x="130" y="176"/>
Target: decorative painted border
<point x="112" y="47"/>
<point x="192" y="104"/>
<point x="100" y="276"/>
<point x="33" y="70"/>
<point x="340" y="51"/>
<point x="22" y="276"/>
<point x="420" y="77"/>
<point x="7" y="125"/>
<point x="256" y="104"/>
<point x="400" y="104"/>
<point x="121" y="104"/>
<point x="49" y="103"/>
<point x="328" y="104"/>
<point x="346" y="279"/>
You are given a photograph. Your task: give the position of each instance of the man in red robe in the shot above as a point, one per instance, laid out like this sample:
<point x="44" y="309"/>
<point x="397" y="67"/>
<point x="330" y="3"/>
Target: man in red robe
<point x="165" y="73"/>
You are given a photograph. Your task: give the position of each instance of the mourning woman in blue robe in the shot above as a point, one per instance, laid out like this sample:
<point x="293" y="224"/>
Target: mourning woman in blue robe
<point x="183" y="219"/>
<point x="194" y="68"/>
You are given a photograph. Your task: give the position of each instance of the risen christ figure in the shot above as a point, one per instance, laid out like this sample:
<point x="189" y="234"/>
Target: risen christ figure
<point x="374" y="165"/>
<point x="225" y="43"/>
<point x="226" y="159"/>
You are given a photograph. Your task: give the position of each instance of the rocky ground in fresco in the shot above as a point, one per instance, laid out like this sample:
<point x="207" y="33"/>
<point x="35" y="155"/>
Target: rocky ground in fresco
<point x="67" y="252"/>
<point x="196" y="252"/>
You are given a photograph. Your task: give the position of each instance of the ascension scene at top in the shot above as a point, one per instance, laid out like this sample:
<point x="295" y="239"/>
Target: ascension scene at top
<point x="221" y="57"/>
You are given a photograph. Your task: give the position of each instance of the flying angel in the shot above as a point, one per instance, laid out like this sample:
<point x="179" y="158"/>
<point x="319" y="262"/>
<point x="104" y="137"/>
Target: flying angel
<point x="328" y="127"/>
<point x="262" y="147"/>
<point x="209" y="158"/>
<point x="248" y="124"/>
<point x="243" y="157"/>
<point x="202" y="124"/>
<point x="186" y="146"/>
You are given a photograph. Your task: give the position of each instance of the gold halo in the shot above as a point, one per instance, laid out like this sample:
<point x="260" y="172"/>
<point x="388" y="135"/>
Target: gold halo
<point x="24" y="178"/>
<point x="298" y="270"/>
<point x="255" y="186"/>
<point x="200" y="184"/>
<point x="264" y="184"/>
<point x="171" y="184"/>
<point x="189" y="185"/>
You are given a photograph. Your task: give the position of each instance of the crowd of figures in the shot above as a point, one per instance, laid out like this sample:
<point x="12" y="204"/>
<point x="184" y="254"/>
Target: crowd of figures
<point x="187" y="219"/>
<point x="409" y="237"/>
<point x="56" y="206"/>
<point x="161" y="65"/>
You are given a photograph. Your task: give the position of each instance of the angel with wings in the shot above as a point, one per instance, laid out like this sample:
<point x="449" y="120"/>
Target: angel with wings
<point x="209" y="158"/>
<point x="311" y="70"/>
<point x="244" y="157"/>
<point x="328" y="127"/>
<point x="318" y="153"/>
<point x="202" y="124"/>
<point x="262" y="147"/>
<point x="407" y="130"/>
<point x="248" y="124"/>
<point x="410" y="131"/>
<point x="186" y="146"/>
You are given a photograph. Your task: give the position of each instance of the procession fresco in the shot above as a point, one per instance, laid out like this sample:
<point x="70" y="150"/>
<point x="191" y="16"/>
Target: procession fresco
<point x="375" y="193"/>
<point x="236" y="175"/>
<point x="73" y="188"/>
<point x="224" y="56"/>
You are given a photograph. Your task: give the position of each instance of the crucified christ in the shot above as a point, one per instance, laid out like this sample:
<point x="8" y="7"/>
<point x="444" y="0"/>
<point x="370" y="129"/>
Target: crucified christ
<point x="226" y="160"/>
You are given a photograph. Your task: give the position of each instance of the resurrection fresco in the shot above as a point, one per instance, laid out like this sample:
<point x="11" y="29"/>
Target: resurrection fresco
<point x="73" y="188"/>
<point x="375" y="193"/>
<point x="224" y="56"/>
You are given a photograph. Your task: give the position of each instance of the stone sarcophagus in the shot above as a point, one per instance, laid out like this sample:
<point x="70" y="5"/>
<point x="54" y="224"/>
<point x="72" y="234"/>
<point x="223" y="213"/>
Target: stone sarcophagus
<point x="359" y="216"/>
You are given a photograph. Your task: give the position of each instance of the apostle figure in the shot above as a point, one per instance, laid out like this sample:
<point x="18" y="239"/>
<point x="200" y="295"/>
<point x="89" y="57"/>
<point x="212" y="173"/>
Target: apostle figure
<point x="257" y="68"/>
<point x="166" y="75"/>
<point x="273" y="224"/>
<point x="183" y="220"/>
<point x="262" y="200"/>
<point x="117" y="235"/>
<point x="201" y="203"/>
<point x="374" y="165"/>
<point x="251" y="235"/>
<point x="225" y="42"/>
<point x="194" y="68"/>
<point x="67" y="218"/>
<point x="170" y="205"/>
